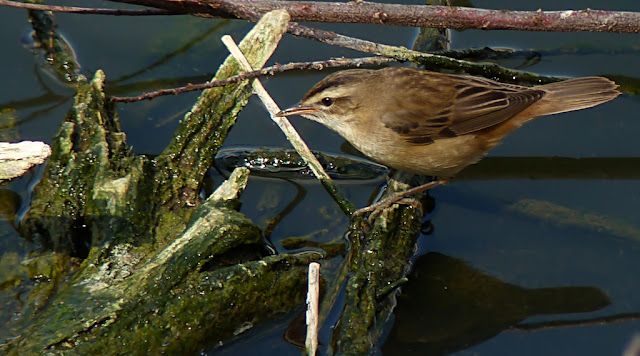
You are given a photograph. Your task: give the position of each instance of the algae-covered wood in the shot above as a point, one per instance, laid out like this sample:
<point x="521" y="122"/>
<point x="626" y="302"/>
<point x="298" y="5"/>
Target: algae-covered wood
<point x="149" y="280"/>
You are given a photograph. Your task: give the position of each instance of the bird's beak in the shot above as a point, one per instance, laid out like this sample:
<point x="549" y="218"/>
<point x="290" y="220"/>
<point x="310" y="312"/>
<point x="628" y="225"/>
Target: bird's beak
<point x="298" y="109"/>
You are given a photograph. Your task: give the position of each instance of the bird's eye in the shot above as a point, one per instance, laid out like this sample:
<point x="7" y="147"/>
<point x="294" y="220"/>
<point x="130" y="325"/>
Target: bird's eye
<point x="327" y="101"/>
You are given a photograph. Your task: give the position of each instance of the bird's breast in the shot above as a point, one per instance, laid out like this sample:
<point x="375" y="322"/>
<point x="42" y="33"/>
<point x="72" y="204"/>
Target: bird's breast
<point x="443" y="158"/>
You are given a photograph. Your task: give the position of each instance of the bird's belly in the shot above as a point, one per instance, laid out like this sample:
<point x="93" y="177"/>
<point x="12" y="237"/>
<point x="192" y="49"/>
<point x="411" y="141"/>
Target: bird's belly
<point x="443" y="158"/>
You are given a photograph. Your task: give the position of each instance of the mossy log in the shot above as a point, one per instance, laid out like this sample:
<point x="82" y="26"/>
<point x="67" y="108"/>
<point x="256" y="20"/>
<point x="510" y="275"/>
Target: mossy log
<point x="378" y="263"/>
<point x="144" y="252"/>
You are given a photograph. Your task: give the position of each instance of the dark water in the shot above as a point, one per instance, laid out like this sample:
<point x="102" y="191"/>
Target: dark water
<point x="476" y="223"/>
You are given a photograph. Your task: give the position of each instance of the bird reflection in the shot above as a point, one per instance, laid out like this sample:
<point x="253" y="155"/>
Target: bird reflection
<point x="448" y="306"/>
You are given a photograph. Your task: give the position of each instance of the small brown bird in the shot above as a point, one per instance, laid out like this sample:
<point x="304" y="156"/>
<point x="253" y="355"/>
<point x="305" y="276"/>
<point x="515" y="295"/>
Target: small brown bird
<point x="432" y="123"/>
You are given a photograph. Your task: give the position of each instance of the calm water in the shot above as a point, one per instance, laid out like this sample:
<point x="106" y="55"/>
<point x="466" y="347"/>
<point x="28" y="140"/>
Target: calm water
<point x="473" y="221"/>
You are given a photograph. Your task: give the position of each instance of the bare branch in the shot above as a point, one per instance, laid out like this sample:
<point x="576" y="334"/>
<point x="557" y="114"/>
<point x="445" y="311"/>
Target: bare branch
<point x="373" y="13"/>
<point x="411" y="15"/>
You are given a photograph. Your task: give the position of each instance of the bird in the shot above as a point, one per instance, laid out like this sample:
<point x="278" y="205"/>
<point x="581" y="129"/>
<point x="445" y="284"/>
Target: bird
<point x="432" y="123"/>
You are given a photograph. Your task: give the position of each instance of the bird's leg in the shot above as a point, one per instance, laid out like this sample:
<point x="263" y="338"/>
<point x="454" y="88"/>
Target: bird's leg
<point x="396" y="197"/>
<point x="390" y="174"/>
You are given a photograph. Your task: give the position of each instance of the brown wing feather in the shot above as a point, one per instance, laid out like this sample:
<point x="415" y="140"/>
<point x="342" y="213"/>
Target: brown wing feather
<point x="490" y="108"/>
<point x="439" y="105"/>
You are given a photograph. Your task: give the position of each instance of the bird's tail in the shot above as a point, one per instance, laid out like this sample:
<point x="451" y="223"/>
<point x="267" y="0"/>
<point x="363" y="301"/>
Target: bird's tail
<point x="574" y="94"/>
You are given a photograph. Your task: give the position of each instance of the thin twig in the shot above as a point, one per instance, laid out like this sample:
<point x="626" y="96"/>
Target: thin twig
<point x="313" y="297"/>
<point x="87" y="10"/>
<point x="430" y="61"/>
<point x="315" y="65"/>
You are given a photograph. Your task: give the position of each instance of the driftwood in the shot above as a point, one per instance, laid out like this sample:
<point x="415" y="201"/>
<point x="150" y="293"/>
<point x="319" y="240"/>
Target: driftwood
<point x="17" y="158"/>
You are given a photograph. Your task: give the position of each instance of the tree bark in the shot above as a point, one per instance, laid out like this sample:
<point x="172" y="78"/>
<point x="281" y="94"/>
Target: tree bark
<point x="410" y="15"/>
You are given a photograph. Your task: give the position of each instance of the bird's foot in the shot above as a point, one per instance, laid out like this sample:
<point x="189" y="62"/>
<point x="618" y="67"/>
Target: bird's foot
<point x="396" y="198"/>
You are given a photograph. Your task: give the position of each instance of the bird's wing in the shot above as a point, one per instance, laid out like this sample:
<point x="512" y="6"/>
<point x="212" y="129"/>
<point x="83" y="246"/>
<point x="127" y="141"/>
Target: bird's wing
<point x="454" y="105"/>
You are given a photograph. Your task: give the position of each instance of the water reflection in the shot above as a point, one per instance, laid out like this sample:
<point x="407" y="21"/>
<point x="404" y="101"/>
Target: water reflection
<point x="447" y="306"/>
